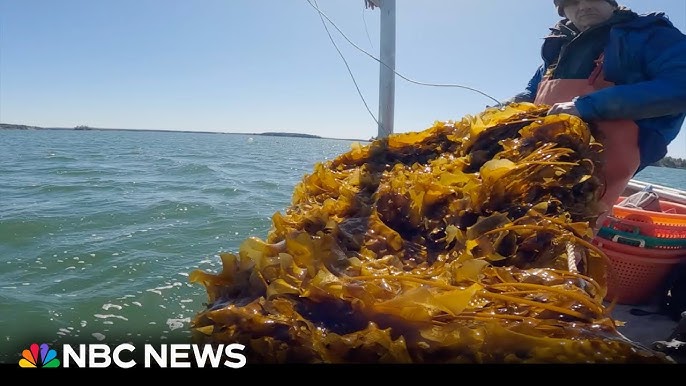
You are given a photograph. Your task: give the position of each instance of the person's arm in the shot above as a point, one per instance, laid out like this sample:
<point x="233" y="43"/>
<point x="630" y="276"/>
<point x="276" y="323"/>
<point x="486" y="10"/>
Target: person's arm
<point x="529" y="94"/>
<point x="663" y="58"/>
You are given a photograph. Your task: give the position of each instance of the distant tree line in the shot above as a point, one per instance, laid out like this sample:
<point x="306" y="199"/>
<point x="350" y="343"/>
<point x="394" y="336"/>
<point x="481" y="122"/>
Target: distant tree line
<point x="669" y="162"/>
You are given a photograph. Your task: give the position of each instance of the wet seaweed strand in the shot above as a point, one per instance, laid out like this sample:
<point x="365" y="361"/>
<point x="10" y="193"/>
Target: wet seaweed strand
<point x="449" y="245"/>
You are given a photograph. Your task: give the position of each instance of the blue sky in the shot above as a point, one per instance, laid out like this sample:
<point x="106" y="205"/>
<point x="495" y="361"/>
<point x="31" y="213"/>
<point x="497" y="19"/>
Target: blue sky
<point x="254" y="66"/>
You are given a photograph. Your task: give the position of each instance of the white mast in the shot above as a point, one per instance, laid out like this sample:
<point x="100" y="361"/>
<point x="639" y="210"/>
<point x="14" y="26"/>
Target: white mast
<point x="387" y="66"/>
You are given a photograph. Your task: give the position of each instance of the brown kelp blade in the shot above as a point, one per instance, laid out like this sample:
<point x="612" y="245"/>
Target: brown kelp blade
<point x="467" y="242"/>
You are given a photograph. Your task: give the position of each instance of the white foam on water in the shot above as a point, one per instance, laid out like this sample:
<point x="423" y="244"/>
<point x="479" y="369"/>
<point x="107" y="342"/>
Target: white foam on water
<point x="110" y="316"/>
<point x="175" y="324"/>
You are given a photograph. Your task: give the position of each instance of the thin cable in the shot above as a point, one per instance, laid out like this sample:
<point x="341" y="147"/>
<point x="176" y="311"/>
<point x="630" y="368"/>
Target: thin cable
<point x="321" y="14"/>
<point x="345" y="61"/>
<point x="366" y="29"/>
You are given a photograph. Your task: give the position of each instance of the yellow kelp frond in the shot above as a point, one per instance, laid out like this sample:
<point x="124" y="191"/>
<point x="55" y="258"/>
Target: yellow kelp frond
<point x="468" y="242"/>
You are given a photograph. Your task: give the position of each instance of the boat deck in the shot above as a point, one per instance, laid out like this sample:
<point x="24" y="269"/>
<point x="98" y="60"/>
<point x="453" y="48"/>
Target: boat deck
<point x="645" y="329"/>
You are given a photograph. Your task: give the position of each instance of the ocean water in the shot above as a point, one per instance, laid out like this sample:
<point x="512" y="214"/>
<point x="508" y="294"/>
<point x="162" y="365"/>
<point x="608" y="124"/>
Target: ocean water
<point x="100" y="229"/>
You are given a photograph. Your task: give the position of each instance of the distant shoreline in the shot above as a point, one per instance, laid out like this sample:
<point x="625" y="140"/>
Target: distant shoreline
<point x="668" y="162"/>
<point x="10" y="126"/>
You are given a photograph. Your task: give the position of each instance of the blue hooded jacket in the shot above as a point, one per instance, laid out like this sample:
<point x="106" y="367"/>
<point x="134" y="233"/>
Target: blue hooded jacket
<point x="646" y="59"/>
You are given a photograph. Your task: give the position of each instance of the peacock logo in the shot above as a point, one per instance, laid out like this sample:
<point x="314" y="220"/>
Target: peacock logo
<point x="39" y="356"/>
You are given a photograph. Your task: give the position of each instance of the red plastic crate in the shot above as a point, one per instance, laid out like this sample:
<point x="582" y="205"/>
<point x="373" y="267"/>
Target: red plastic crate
<point x="636" y="274"/>
<point x="606" y="244"/>
<point x="634" y="279"/>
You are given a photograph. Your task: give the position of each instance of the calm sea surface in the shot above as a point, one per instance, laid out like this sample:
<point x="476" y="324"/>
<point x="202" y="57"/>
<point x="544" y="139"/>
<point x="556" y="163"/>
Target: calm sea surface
<point x="100" y="229"/>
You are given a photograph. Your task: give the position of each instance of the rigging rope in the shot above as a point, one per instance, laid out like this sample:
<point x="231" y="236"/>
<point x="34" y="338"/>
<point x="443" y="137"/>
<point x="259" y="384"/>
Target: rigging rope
<point x="344" y="61"/>
<point x="369" y="4"/>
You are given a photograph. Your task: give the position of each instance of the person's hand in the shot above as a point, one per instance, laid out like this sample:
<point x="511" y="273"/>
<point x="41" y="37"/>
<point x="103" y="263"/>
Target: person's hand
<point x="564" y="108"/>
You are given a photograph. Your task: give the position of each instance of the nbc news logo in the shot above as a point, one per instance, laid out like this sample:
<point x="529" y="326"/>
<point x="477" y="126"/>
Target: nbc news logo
<point x="165" y="356"/>
<point x="39" y="356"/>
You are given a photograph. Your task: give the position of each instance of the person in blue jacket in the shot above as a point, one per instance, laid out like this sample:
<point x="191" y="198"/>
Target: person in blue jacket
<point x="624" y="74"/>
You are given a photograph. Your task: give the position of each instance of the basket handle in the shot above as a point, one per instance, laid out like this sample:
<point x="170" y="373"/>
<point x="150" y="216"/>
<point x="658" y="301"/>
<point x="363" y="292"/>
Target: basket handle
<point x="641" y="242"/>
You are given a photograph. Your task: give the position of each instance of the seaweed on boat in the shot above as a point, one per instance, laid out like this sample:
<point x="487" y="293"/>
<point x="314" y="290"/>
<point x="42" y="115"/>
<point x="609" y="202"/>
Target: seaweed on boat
<point x="468" y="242"/>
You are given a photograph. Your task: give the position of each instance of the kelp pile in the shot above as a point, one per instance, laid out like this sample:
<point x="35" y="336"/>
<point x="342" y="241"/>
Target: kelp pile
<point x="468" y="242"/>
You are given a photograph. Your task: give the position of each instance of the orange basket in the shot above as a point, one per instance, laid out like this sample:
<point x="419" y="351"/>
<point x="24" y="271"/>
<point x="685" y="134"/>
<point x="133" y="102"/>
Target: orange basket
<point x="645" y="226"/>
<point x="672" y="214"/>
<point x="635" y="279"/>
